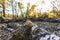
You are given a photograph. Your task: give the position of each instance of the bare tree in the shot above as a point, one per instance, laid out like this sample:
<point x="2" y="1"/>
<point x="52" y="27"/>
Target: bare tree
<point x="3" y="9"/>
<point x="3" y="6"/>
<point x="21" y="6"/>
<point x="55" y="9"/>
<point x="27" y="11"/>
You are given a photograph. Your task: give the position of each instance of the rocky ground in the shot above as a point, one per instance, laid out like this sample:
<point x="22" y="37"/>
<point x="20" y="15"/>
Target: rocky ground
<point x="40" y="31"/>
<point x="43" y="29"/>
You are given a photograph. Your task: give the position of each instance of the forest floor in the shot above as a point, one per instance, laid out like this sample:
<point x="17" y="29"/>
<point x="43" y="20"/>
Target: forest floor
<point x="49" y="27"/>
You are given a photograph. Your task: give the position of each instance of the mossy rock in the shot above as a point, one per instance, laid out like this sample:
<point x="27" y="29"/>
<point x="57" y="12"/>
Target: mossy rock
<point x="29" y="23"/>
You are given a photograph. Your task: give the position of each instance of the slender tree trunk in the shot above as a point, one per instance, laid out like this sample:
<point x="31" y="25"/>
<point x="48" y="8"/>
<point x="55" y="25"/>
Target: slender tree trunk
<point x="12" y="9"/>
<point x="3" y="9"/>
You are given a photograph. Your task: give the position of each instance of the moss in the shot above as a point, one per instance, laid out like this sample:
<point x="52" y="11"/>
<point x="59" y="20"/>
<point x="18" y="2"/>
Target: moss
<point x="29" y="23"/>
<point x="27" y="32"/>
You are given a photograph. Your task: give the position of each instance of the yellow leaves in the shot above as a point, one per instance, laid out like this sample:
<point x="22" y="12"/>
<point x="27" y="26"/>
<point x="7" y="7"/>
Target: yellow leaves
<point x="15" y="16"/>
<point x="36" y="14"/>
<point x="33" y="7"/>
<point x="28" y="5"/>
<point x="6" y="6"/>
<point x="51" y="15"/>
<point x="1" y="14"/>
<point x="9" y="15"/>
<point x="33" y="12"/>
<point x="20" y="5"/>
<point x="20" y="17"/>
<point x="6" y="3"/>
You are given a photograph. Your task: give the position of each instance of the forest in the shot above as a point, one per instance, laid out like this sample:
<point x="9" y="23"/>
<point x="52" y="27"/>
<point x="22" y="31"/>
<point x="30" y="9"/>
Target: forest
<point x="29" y="19"/>
<point x="17" y="10"/>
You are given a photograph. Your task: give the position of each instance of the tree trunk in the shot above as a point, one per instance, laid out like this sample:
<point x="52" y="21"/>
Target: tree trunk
<point x="3" y="9"/>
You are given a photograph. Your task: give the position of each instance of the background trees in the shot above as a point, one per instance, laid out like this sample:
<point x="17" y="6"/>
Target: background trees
<point x="21" y="7"/>
<point x="30" y="11"/>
